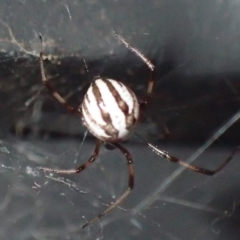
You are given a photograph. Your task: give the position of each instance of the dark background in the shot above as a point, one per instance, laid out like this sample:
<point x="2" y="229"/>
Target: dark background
<point x="195" y="48"/>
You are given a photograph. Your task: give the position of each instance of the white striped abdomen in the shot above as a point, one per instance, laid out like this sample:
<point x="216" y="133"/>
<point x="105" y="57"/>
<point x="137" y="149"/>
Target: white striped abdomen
<point x="110" y="110"/>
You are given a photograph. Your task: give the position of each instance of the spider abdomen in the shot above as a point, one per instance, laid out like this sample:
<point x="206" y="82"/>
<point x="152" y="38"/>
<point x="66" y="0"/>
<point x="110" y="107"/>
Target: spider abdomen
<point x="110" y="110"/>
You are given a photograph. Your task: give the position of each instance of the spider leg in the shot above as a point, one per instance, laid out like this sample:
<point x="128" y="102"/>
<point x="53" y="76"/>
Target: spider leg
<point x="55" y="94"/>
<point x="147" y="62"/>
<point x="79" y="169"/>
<point x="125" y="194"/>
<point x="148" y="96"/>
<point x="135" y="51"/>
<point x="192" y="167"/>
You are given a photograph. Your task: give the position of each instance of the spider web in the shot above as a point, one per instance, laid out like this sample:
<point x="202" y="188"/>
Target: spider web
<point x="195" y="102"/>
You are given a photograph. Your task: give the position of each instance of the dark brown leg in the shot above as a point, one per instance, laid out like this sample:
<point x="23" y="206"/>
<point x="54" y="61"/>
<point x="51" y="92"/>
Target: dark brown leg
<point x="79" y="169"/>
<point x="54" y="93"/>
<point x="125" y="194"/>
<point x="194" y="168"/>
<point x="147" y="62"/>
<point x="148" y="96"/>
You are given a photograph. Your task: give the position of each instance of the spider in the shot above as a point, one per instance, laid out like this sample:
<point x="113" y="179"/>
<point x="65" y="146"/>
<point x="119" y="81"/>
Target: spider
<point x="110" y="110"/>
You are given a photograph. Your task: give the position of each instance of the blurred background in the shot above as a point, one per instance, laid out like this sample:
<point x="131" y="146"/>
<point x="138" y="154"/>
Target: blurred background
<point x="194" y="46"/>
